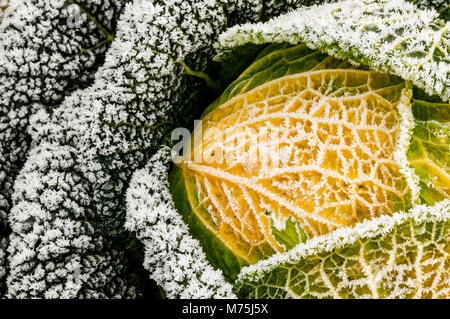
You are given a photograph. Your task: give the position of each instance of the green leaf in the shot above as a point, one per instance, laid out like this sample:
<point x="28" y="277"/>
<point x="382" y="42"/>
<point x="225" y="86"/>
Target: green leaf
<point x="429" y="150"/>
<point x="217" y="253"/>
<point x="386" y="35"/>
<point x="369" y="259"/>
<point x="272" y="62"/>
<point x="291" y="235"/>
<point x="403" y="256"/>
<point x="428" y="111"/>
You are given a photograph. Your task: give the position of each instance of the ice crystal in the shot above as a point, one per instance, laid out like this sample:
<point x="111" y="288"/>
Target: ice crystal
<point x="175" y="260"/>
<point x="387" y="35"/>
<point x="342" y="30"/>
<point x="403" y="256"/>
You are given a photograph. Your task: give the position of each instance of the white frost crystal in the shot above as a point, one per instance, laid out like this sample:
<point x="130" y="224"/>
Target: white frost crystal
<point x="176" y="260"/>
<point x="47" y="49"/>
<point x="344" y="157"/>
<point x="40" y="58"/>
<point x="387" y="35"/>
<point x="56" y="250"/>
<point x="399" y="256"/>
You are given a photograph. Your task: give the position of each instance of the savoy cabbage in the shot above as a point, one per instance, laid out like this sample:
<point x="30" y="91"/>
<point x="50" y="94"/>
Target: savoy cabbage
<point x="89" y="93"/>
<point x="371" y="233"/>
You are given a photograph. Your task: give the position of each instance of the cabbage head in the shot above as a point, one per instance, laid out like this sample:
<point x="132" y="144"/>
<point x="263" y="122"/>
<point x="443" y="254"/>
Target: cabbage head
<point x="323" y="168"/>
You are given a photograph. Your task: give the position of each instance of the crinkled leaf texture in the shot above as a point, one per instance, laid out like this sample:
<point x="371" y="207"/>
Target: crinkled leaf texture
<point x="406" y="255"/>
<point x="429" y="150"/>
<point x="173" y="257"/>
<point x="68" y="204"/>
<point x="126" y="135"/>
<point x="388" y="36"/>
<point x="402" y="255"/>
<point x="88" y="134"/>
<point x="48" y="49"/>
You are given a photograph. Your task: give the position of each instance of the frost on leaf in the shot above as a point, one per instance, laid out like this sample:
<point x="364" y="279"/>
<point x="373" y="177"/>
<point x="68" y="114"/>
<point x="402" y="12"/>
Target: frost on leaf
<point x="47" y="50"/>
<point x="441" y="6"/>
<point x="138" y="90"/>
<point x="46" y="47"/>
<point x="69" y="197"/>
<point x="317" y="146"/>
<point x="401" y="256"/>
<point x="57" y="249"/>
<point x="388" y="35"/>
<point x="429" y="151"/>
<point x="224" y="196"/>
<point x="175" y="259"/>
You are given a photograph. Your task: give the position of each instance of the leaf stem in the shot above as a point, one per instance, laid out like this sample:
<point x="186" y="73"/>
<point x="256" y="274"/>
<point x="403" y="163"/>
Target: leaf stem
<point x="202" y="75"/>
